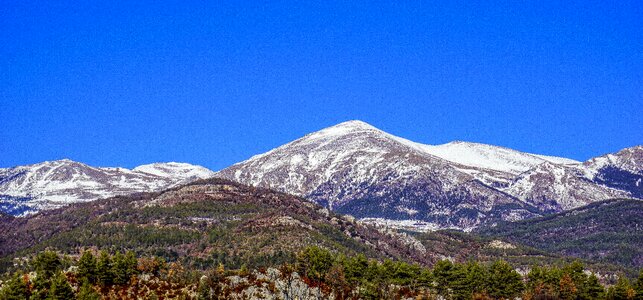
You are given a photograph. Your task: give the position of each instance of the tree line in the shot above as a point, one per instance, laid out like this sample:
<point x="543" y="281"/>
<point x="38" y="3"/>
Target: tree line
<point x="96" y="275"/>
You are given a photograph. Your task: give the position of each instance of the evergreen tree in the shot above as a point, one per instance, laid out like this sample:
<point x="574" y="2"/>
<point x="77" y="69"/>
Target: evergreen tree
<point x="567" y="289"/>
<point x="477" y="278"/>
<point x="504" y="282"/>
<point x="87" y="267"/>
<point x="315" y="262"/>
<point x="60" y="288"/>
<point x="40" y="288"/>
<point x="47" y="264"/>
<point x="443" y="275"/>
<point x="87" y="292"/>
<point x="16" y="288"/>
<point x="104" y="269"/>
<point x="425" y="279"/>
<point x="131" y="263"/>
<point x="355" y="267"/>
<point x="459" y="284"/>
<point x="593" y="288"/>
<point x="622" y="290"/>
<point x="119" y="269"/>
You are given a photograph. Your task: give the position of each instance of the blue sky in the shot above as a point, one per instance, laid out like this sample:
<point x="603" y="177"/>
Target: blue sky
<point x="126" y="84"/>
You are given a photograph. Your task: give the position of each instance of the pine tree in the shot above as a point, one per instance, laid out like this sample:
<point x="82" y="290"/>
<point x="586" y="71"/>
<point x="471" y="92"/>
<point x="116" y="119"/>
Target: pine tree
<point x="131" y="264"/>
<point x="87" y="267"/>
<point x="477" y="278"/>
<point x="15" y="289"/>
<point x="622" y="290"/>
<point x="60" y="288"/>
<point x="314" y="262"/>
<point x="504" y="282"/>
<point x="593" y="288"/>
<point x="567" y="289"/>
<point x="47" y="264"/>
<point x="460" y="287"/>
<point x="355" y="267"/>
<point x="120" y="269"/>
<point x="40" y="287"/>
<point x="425" y="278"/>
<point x="87" y="292"/>
<point x="104" y="269"/>
<point x="443" y="275"/>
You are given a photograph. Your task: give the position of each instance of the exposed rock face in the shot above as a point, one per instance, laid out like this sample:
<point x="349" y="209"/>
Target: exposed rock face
<point x="358" y="169"/>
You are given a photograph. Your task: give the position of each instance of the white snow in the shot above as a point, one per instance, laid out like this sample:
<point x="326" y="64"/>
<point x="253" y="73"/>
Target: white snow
<point x="465" y="153"/>
<point x="52" y="184"/>
<point x="169" y="169"/>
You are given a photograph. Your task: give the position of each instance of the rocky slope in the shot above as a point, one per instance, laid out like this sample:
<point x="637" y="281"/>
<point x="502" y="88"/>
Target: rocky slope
<point x="358" y="169"/>
<point x="48" y="185"/>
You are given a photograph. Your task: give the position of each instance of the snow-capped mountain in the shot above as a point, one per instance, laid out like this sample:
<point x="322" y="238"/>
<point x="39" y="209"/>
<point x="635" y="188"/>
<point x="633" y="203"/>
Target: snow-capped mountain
<point x="622" y="170"/>
<point x="51" y="184"/>
<point x="358" y="169"/>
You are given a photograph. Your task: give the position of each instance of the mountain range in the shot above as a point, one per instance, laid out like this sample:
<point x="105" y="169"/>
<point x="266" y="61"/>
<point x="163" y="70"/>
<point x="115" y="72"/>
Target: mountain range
<point x="52" y="184"/>
<point x="357" y="169"/>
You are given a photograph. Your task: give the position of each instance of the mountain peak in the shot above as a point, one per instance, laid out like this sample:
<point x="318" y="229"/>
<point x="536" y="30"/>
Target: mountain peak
<point x="350" y="126"/>
<point x="356" y="124"/>
<point x="342" y="129"/>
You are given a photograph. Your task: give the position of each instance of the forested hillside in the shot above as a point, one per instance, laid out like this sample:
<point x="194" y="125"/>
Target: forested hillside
<point x="609" y="231"/>
<point x="316" y="273"/>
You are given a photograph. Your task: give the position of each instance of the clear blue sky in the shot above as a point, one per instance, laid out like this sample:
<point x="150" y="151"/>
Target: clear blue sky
<point x="127" y="84"/>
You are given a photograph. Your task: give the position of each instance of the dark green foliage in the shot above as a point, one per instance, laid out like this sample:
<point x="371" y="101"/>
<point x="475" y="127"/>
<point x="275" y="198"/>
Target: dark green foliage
<point x="87" y="292"/>
<point x="87" y="267"/>
<point x="15" y="289"/>
<point x="593" y="288"/>
<point x="607" y="231"/>
<point x="315" y="262"/>
<point x="469" y="279"/>
<point x="47" y="263"/>
<point x="120" y="269"/>
<point x="355" y="267"/>
<point x="353" y="277"/>
<point x="104" y="271"/>
<point x="638" y="286"/>
<point x="622" y="290"/>
<point x="504" y="282"/>
<point x="60" y="288"/>
<point x="443" y="274"/>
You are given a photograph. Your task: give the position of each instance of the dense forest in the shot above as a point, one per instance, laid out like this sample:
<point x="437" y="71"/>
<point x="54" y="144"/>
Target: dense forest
<point x="316" y="273"/>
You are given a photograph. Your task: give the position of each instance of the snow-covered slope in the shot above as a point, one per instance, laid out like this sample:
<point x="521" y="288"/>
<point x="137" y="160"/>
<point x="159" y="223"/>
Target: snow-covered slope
<point x="622" y="170"/>
<point x="358" y="169"/>
<point x="51" y="184"/>
<point x="492" y="157"/>
<point x="554" y="187"/>
<point x="180" y="172"/>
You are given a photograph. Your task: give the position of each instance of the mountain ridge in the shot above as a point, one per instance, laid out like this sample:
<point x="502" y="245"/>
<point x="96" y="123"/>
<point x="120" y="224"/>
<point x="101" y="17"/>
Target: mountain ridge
<point x="357" y="168"/>
<point x="51" y="184"/>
